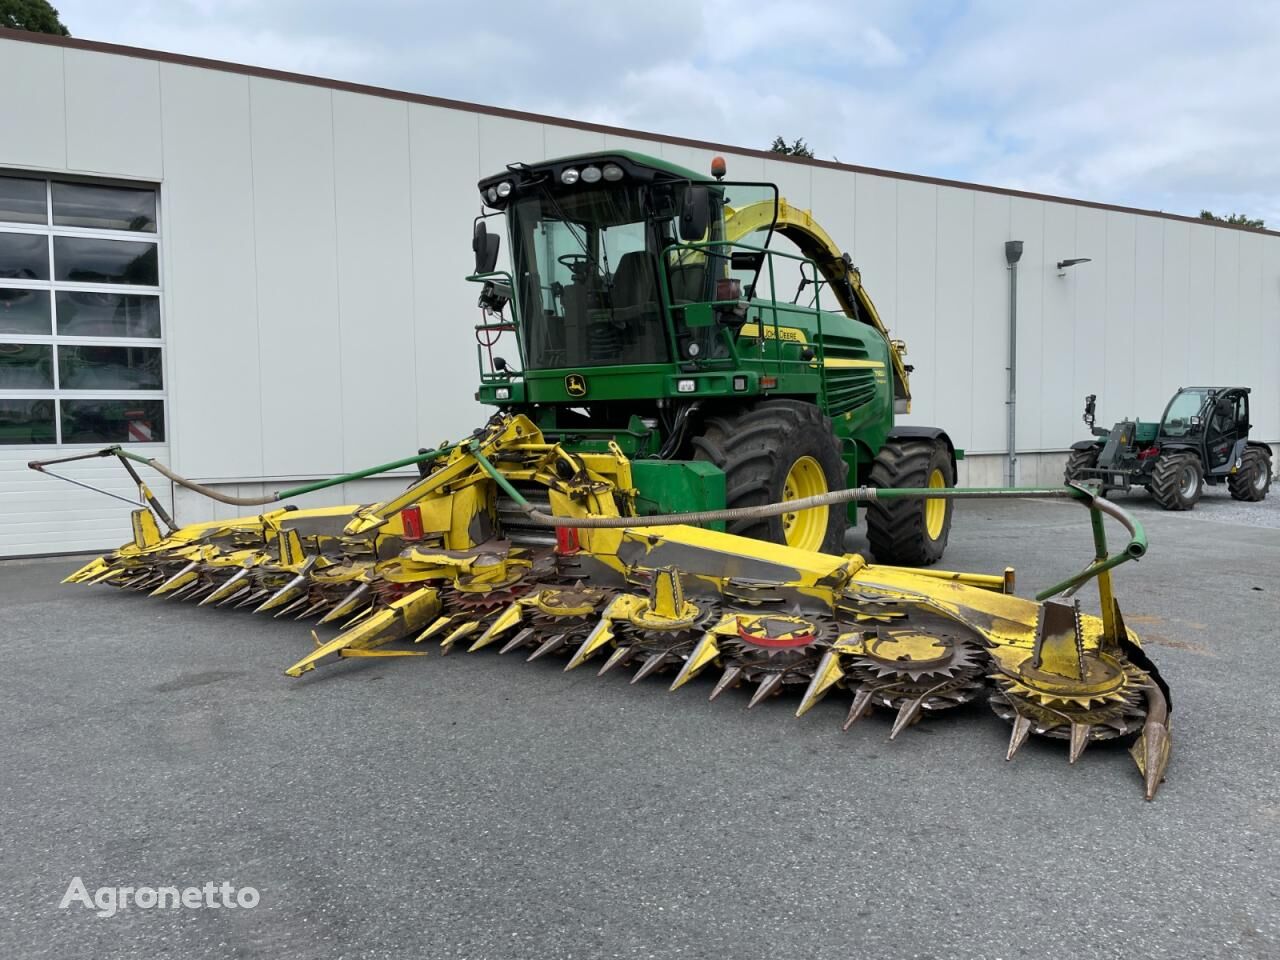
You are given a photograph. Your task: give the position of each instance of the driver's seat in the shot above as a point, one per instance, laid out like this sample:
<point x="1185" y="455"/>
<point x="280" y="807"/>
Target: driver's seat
<point x="634" y="285"/>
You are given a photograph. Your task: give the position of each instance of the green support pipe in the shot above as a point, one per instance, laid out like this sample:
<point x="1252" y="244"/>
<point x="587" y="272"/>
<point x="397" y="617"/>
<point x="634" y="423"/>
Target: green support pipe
<point x="368" y="472"/>
<point x="292" y="491"/>
<point x="474" y="449"/>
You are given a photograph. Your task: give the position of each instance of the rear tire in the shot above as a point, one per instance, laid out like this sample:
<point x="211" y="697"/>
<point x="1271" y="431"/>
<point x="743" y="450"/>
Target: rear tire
<point x="1078" y="460"/>
<point x="908" y="532"/>
<point x="1177" y="481"/>
<point x="1252" y="481"/>
<point x="769" y="449"/>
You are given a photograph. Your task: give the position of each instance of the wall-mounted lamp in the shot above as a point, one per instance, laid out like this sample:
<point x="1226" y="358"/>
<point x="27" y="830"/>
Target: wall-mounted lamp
<point x="1063" y="264"/>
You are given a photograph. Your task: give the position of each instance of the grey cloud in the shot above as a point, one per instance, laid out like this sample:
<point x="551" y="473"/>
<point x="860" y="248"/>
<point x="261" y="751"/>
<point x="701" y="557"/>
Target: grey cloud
<point x="1167" y="105"/>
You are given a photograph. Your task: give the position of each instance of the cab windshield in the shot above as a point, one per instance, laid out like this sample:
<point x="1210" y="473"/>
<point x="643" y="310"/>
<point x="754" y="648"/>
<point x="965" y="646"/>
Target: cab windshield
<point x="587" y="263"/>
<point x="1182" y="416"/>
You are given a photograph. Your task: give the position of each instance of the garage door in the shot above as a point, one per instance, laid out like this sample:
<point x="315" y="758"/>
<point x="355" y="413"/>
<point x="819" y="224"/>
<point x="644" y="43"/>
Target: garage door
<point x="81" y="353"/>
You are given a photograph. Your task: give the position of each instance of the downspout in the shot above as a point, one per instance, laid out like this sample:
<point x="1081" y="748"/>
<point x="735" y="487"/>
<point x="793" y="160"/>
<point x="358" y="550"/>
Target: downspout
<point x="1012" y="254"/>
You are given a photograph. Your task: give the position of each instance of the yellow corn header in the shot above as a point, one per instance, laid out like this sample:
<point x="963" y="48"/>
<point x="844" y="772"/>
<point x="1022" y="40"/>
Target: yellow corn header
<point x="446" y="565"/>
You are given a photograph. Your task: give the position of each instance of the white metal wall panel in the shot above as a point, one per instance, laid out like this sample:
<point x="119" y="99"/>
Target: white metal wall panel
<point x="101" y="91"/>
<point x="953" y="311"/>
<point x="299" y="339"/>
<point x="916" y="281"/>
<point x="988" y="336"/>
<point x="445" y="150"/>
<point x="1146" y="361"/>
<point x="372" y="185"/>
<point x="1264" y="402"/>
<point x="1085" y="366"/>
<point x="1226" y="305"/>
<point x="794" y="180"/>
<point x="832" y="193"/>
<point x="875" y="244"/>
<point x="34" y="123"/>
<point x="1249" y="368"/>
<point x="210" y="283"/>
<point x="1202" y="318"/>
<point x="742" y="168"/>
<point x="565" y="141"/>
<point x="1040" y="307"/>
<point x="1176" y="284"/>
<point x="503" y="141"/>
<point x="1113" y="370"/>
<point x="1052" y="372"/>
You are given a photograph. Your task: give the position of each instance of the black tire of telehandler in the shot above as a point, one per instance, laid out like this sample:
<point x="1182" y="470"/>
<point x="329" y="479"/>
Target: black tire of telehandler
<point x="757" y="447"/>
<point x="1170" y="480"/>
<point x="1079" y="460"/>
<point x="1252" y="481"/>
<point x="897" y="529"/>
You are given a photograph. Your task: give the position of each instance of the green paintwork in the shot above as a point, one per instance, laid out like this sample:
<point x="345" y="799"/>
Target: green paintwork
<point x="678" y="486"/>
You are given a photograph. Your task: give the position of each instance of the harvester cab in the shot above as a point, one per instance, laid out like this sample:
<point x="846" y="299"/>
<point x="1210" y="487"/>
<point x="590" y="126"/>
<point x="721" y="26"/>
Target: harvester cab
<point x="646" y="307"/>
<point x="1202" y="438"/>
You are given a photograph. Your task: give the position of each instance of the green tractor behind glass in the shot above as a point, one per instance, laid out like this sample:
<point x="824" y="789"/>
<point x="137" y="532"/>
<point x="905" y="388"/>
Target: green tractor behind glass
<point x="1202" y="438"/>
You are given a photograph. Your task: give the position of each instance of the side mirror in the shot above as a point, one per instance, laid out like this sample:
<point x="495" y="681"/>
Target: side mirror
<point x="1090" y="406"/>
<point x="695" y="213"/>
<point x="485" y="246"/>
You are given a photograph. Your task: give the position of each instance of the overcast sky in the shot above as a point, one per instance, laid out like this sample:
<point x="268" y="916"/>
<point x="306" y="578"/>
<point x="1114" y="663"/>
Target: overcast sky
<point x="1168" y="105"/>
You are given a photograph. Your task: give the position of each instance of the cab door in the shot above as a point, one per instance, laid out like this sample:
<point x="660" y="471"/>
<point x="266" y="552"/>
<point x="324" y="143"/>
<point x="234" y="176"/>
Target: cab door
<point x="1228" y="421"/>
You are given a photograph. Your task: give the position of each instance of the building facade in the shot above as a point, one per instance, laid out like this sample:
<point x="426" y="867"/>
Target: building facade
<point x="258" y="279"/>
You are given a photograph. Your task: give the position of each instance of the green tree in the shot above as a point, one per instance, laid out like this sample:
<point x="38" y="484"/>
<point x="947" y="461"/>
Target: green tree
<point x="36" y="16"/>
<point x="1235" y="219"/>
<point x="797" y="148"/>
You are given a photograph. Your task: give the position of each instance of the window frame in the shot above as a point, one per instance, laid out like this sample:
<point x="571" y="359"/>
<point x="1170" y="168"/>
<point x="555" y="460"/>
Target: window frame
<point x="52" y="286"/>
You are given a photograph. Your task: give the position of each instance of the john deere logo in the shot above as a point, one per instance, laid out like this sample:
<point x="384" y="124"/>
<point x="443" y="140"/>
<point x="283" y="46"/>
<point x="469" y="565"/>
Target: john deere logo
<point x="575" y="384"/>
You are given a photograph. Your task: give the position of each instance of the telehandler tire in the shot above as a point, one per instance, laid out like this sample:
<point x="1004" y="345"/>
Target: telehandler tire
<point x="1252" y="481"/>
<point x="1079" y="460"/>
<point x="910" y="532"/>
<point x="773" y="451"/>
<point x="1177" y="481"/>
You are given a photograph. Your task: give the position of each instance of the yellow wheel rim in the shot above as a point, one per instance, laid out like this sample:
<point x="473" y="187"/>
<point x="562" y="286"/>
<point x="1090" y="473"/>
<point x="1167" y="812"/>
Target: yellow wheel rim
<point x="935" y="511"/>
<point x="805" y="529"/>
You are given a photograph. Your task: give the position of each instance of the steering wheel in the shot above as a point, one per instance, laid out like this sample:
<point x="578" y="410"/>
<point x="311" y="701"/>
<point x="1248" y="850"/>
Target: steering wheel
<point x="579" y="265"/>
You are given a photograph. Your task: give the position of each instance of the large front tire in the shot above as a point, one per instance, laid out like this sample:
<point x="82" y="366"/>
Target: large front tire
<point x="1078" y="460"/>
<point x="1177" y="481"/>
<point x="1252" y="481"/>
<point x="910" y="532"/>
<point x="774" y="451"/>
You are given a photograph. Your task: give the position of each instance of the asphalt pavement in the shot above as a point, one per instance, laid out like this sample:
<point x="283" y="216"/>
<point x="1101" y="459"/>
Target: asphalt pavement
<point x="482" y="807"/>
